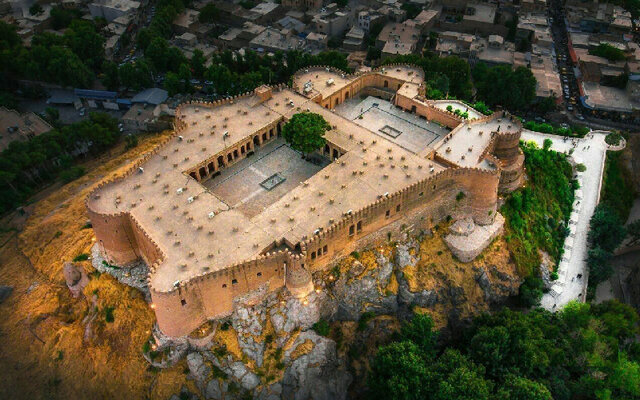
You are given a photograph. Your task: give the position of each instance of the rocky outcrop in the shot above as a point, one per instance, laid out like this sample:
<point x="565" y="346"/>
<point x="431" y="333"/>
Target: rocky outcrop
<point x="278" y="328"/>
<point x="317" y="375"/>
<point x="467" y="240"/>
<point x="75" y="277"/>
<point x="134" y="275"/>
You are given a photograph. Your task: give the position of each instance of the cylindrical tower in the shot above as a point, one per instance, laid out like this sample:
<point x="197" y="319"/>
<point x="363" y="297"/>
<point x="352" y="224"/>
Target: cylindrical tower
<point x="298" y="279"/>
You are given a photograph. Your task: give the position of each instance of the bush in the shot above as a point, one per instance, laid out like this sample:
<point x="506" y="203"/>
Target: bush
<point x="81" y="257"/>
<point x="71" y="174"/>
<point x="322" y="327"/>
<point x="531" y="291"/>
<point x="549" y="195"/>
<point x="581" y="167"/>
<point x="613" y="139"/>
<point x="364" y="320"/>
<point x="618" y="190"/>
<point x="108" y="314"/>
<point x="131" y="141"/>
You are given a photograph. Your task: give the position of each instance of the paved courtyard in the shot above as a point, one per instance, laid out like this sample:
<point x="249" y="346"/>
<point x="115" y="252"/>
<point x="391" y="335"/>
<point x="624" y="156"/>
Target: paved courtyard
<point x="384" y="119"/>
<point x="245" y="185"/>
<point x="589" y="151"/>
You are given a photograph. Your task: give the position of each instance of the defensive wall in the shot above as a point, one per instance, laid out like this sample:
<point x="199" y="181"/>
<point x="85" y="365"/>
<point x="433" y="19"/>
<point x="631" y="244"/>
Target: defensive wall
<point x="210" y="294"/>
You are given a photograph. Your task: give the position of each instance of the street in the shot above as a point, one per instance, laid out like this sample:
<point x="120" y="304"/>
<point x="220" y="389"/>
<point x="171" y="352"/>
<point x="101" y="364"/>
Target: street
<point x="572" y="269"/>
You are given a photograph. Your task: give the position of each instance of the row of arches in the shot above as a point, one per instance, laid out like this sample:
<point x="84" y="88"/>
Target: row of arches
<point x="242" y="150"/>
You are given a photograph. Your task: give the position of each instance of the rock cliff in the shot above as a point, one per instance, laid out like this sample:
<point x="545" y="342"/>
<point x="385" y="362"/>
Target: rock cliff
<point x="276" y="346"/>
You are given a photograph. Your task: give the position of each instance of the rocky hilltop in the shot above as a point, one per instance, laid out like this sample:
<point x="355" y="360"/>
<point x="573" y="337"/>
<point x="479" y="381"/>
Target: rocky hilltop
<point x="276" y="346"/>
<point x="102" y="343"/>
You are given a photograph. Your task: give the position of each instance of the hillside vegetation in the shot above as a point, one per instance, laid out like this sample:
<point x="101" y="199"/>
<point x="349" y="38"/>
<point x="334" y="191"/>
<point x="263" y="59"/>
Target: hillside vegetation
<point x="581" y="352"/>
<point x="537" y="214"/>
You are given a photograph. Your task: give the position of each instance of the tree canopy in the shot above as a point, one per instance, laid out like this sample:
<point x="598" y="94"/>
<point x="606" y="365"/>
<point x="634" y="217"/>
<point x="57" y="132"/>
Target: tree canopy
<point x="305" y="132"/>
<point x="581" y="352"/>
<point x="504" y="86"/>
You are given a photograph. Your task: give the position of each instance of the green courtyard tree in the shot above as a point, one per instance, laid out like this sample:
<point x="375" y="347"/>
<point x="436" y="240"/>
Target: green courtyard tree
<point x="305" y="132"/>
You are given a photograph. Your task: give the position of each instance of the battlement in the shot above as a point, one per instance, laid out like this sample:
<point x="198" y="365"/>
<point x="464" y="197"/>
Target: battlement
<point x="203" y="252"/>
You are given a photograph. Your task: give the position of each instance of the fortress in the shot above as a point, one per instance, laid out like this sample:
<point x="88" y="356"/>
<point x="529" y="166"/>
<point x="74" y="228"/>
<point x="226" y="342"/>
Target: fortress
<point x="224" y="206"/>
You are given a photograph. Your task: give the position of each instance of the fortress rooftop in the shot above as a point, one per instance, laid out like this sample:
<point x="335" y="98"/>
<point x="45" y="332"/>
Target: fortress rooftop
<point x="199" y="231"/>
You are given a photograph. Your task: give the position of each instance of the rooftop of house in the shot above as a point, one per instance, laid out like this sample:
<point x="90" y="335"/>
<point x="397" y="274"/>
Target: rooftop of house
<point x="608" y="98"/>
<point x="16" y="126"/>
<point x="239" y="220"/>
<point x="479" y="12"/>
<point x="399" y="33"/>
<point x="274" y="39"/>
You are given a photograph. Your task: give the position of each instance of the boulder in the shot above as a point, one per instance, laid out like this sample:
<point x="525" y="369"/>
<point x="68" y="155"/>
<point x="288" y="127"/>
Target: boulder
<point x="250" y="381"/>
<point x="197" y="368"/>
<point x="75" y="277"/>
<point x="318" y="375"/>
<point x="213" y="391"/>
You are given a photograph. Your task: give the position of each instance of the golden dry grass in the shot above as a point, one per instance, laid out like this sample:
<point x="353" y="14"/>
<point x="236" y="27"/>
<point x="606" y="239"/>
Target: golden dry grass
<point x="47" y="350"/>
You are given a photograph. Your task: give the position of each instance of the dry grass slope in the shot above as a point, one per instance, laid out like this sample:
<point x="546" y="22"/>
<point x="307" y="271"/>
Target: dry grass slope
<point x="55" y="346"/>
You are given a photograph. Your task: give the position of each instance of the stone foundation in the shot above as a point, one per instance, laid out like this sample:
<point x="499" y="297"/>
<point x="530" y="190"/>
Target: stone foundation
<point x="467" y="240"/>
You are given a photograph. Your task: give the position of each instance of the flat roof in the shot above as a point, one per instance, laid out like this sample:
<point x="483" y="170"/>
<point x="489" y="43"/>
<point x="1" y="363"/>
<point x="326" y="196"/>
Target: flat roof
<point x="174" y="209"/>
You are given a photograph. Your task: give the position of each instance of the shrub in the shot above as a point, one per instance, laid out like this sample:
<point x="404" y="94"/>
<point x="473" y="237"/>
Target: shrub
<point x="322" y="327"/>
<point x="449" y="108"/>
<point x="531" y="291"/>
<point x="71" y="174"/>
<point x="613" y="139"/>
<point x="618" y="190"/>
<point x="108" y="314"/>
<point x="581" y="167"/>
<point x="131" y="141"/>
<point x="460" y="196"/>
<point x="554" y="276"/>
<point x="364" y="320"/>
<point x="81" y="257"/>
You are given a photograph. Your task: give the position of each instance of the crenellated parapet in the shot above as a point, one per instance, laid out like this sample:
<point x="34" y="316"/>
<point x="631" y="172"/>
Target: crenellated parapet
<point x="195" y="276"/>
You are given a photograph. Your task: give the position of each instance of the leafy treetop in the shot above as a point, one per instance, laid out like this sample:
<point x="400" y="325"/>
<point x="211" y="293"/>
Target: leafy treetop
<point x="305" y="132"/>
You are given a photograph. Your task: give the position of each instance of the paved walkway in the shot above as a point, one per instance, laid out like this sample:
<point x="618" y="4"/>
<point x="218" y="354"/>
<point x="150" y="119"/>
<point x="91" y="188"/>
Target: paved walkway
<point x="591" y="152"/>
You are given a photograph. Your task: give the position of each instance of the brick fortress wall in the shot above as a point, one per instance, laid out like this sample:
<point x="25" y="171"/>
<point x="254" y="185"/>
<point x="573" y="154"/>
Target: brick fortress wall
<point x="210" y="295"/>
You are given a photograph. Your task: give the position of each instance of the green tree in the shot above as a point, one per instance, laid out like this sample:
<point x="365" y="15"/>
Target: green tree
<point x="373" y="53"/>
<point x="454" y="377"/>
<point x="531" y="291"/>
<point x="197" y="63"/>
<point x="61" y="17"/>
<point x="606" y="230"/>
<point x="398" y="373"/>
<point x="305" y="132"/>
<point x="172" y="84"/>
<point x="633" y="232"/>
<point x="83" y="39"/>
<point x="519" y="388"/>
<point x="53" y="115"/>
<point x="500" y="85"/>
<point x="110" y="76"/>
<point x="420" y="331"/>
<point x="36" y="9"/>
<point x="184" y="74"/>
<point x="209" y="13"/>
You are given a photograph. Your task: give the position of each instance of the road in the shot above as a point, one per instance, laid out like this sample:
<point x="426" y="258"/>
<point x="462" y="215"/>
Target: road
<point x="591" y="152"/>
